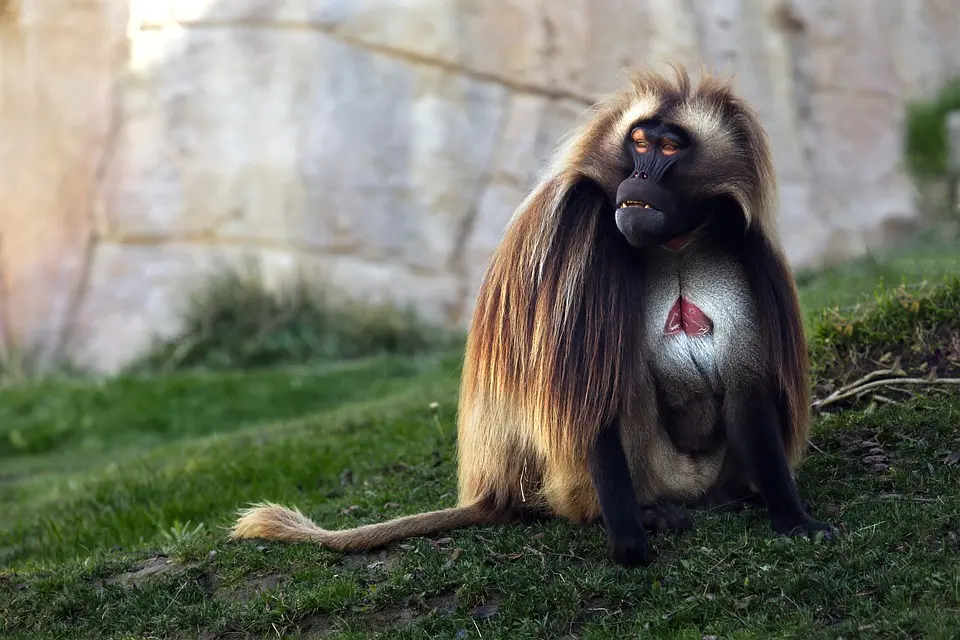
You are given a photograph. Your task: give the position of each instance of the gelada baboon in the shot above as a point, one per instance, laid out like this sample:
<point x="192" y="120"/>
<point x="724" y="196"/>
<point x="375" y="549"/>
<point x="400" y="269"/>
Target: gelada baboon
<point x="637" y="344"/>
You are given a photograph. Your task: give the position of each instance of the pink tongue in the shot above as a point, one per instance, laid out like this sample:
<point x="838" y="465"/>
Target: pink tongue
<point x="687" y="317"/>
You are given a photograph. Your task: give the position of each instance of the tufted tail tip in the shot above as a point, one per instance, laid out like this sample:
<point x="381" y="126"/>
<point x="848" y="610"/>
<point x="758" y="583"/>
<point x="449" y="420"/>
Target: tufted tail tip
<point x="270" y="521"/>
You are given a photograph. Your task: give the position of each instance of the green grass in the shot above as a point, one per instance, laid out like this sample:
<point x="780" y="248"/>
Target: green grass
<point x="929" y="256"/>
<point x="115" y="495"/>
<point x="234" y="320"/>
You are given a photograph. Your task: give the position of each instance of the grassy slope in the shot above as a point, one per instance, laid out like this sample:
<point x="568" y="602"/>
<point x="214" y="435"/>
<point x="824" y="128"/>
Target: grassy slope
<point x="929" y="255"/>
<point x="179" y="454"/>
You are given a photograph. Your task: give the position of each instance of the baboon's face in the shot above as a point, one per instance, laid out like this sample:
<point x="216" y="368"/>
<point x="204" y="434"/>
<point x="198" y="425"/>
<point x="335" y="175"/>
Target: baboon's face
<point x="667" y="155"/>
<point x="652" y="205"/>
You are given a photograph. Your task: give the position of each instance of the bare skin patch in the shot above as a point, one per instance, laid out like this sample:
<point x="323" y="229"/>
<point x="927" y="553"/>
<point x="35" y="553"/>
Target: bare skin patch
<point x="687" y="318"/>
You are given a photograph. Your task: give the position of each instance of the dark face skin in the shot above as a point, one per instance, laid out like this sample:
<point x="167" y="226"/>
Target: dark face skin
<point x="650" y="208"/>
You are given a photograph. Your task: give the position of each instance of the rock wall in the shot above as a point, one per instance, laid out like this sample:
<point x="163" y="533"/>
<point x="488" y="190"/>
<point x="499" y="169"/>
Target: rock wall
<point x="383" y="145"/>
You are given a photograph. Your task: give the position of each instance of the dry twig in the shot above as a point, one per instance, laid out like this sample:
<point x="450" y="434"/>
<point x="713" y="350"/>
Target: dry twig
<point x="869" y="382"/>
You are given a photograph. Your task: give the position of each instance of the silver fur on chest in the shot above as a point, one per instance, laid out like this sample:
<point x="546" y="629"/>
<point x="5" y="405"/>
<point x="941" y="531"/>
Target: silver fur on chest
<point x="717" y="286"/>
<point x="690" y="369"/>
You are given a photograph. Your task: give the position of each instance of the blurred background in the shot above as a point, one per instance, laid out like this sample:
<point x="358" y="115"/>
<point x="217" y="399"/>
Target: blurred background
<point x="378" y="147"/>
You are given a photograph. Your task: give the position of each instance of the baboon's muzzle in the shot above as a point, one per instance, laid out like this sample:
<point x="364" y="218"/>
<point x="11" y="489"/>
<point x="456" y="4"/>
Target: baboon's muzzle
<point x="644" y="207"/>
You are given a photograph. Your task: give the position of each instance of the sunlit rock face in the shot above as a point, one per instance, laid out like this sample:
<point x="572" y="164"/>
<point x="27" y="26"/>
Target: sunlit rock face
<point x="382" y="146"/>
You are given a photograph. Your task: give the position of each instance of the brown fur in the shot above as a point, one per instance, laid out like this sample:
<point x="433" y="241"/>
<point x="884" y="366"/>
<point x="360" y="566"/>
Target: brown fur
<point x="552" y="352"/>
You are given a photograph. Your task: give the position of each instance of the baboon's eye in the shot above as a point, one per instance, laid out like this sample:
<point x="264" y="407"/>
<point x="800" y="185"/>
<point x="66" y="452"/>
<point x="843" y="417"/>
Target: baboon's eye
<point x="669" y="147"/>
<point x="640" y="140"/>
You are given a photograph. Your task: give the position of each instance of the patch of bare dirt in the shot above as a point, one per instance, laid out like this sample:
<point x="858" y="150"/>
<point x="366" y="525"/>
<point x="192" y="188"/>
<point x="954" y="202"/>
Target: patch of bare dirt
<point x="413" y="610"/>
<point x="155" y="566"/>
<point x="375" y="561"/>
<point x="158" y="566"/>
<point x="251" y="588"/>
<point x="316" y="628"/>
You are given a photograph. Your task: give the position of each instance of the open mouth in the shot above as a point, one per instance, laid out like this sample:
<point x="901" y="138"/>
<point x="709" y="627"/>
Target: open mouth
<point x="634" y="203"/>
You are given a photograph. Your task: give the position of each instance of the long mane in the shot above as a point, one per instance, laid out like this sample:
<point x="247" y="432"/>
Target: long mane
<point x="552" y="333"/>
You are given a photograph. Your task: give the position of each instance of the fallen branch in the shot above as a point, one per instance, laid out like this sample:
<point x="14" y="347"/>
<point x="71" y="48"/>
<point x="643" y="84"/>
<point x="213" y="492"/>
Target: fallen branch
<point x="873" y="375"/>
<point x="895" y="370"/>
<point x="867" y="383"/>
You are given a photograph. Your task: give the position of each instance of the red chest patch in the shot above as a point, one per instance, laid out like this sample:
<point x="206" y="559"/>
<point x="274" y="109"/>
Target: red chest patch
<point x="687" y="317"/>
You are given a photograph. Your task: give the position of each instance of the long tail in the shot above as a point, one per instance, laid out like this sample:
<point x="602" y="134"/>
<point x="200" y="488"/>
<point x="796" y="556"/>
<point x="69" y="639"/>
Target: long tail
<point x="270" y="521"/>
